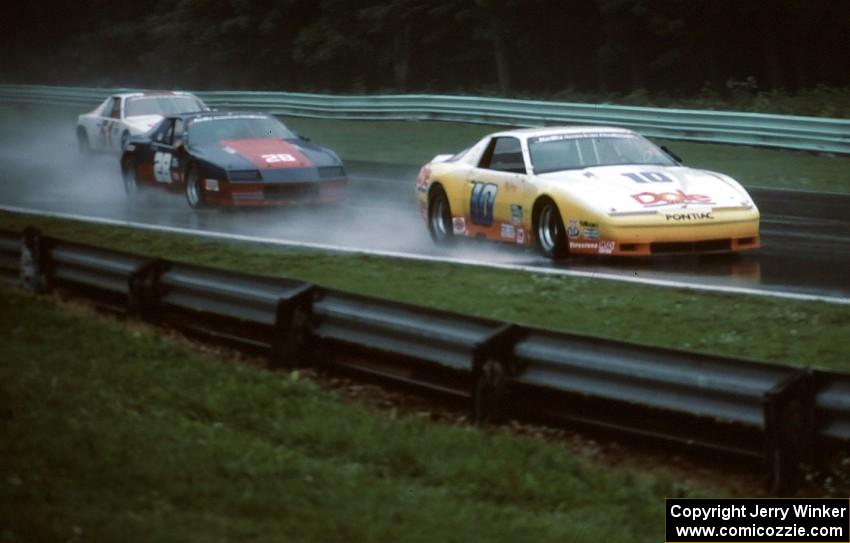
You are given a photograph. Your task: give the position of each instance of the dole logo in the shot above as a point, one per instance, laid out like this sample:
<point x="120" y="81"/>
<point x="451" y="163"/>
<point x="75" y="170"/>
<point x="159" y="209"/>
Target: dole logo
<point x="655" y="199"/>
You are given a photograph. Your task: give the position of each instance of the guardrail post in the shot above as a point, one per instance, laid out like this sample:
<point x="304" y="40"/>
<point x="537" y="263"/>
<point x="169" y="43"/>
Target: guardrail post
<point x="292" y="341"/>
<point x="35" y="263"/>
<point x="789" y="430"/>
<point x="143" y="299"/>
<point x="492" y="363"/>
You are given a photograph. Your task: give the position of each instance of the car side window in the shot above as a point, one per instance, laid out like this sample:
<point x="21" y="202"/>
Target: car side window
<point x="164" y="131"/>
<point x="104" y="108"/>
<point x="168" y="136"/>
<point x="504" y="154"/>
<point x="115" y="110"/>
<point x="179" y="131"/>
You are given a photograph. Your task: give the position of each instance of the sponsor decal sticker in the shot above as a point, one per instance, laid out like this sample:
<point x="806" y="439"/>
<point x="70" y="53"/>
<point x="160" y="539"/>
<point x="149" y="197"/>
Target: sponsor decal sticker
<point x="589" y="230"/>
<point x="481" y="201"/>
<point x="657" y="199"/>
<point x="423" y="179"/>
<point x="516" y="214"/>
<point x="459" y="225"/>
<point x="278" y="157"/>
<point x="648" y="177"/>
<point x="508" y="231"/>
<point x="520" y="235"/>
<point x="705" y="216"/>
<point x="607" y="247"/>
<point x="573" y="229"/>
<point x="559" y="137"/>
<point x="592" y="245"/>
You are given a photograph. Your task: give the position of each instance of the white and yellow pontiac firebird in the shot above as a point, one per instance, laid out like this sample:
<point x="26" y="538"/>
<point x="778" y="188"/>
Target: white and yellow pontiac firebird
<point x="591" y="190"/>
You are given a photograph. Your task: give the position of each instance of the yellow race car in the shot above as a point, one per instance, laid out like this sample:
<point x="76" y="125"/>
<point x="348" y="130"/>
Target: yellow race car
<point x="592" y="190"/>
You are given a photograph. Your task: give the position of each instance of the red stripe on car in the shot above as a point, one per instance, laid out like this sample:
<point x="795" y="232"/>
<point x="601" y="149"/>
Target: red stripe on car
<point x="269" y="153"/>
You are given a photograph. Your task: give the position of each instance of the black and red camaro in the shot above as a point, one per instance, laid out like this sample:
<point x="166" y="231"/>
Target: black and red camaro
<point x="232" y="159"/>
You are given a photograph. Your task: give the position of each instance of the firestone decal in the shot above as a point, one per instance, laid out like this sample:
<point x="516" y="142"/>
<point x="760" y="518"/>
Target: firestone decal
<point x="656" y="199"/>
<point x="592" y="245"/>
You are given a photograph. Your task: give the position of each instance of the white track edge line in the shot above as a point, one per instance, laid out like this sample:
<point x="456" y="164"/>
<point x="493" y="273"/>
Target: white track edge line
<point x="425" y="258"/>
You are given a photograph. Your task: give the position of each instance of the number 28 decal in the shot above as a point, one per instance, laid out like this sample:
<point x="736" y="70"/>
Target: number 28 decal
<point x="648" y="177"/>
<point x="481" y="203"/>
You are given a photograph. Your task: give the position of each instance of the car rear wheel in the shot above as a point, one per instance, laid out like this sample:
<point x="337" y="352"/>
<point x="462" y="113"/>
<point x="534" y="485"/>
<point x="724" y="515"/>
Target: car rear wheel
<point x="440" y="217"/>
<point x="194" y="195"/>
<point x="128" y="173"/>
<point x="549" y="230"/>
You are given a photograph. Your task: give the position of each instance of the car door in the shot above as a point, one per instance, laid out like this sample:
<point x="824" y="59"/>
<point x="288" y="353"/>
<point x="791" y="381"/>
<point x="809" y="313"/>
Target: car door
<point x="495" y="190"/>
<point x="163" y="157"/>
<point x="108" y="118"/>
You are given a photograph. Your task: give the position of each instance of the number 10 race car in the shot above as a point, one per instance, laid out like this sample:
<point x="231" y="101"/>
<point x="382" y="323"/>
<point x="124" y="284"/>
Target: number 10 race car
<point x="589" y="190"/>
<point x="232" y="159"/>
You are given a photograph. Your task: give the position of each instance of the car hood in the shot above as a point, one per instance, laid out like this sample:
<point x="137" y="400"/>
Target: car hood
<point x="270" y="156"/>
<point x="639" y="189"/>
<point x="142" y="123"/>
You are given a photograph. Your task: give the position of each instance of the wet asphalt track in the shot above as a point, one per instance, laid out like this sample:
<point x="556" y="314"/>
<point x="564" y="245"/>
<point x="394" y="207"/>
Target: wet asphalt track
<point x="805" y="236"/>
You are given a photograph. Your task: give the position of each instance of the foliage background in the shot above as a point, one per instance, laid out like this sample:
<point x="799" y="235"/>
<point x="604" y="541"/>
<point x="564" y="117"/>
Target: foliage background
<point x="700" y="53"/>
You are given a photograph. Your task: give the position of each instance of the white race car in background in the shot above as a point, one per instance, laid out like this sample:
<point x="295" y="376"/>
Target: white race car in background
<point x="110" y="125"/>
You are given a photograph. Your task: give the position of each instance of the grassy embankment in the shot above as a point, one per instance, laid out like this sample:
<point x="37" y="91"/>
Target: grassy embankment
<point x="415" y="143"/>
<point x="111" y="432"/>
<point x="769" y="329"/>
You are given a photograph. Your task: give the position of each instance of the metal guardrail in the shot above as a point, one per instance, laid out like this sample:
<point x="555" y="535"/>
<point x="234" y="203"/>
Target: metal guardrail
<point x="783" y="131"/>
<point x="782" y="415"/>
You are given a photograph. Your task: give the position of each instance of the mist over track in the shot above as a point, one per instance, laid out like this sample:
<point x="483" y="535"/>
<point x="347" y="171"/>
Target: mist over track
<point x="805" y="236"/>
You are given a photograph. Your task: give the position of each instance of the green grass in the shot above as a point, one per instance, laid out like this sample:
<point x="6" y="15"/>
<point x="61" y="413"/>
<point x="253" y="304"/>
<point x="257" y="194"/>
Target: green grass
<point x="414" y="143"/>
<point x="778" y="330"/>
<point x="114" y="433"/>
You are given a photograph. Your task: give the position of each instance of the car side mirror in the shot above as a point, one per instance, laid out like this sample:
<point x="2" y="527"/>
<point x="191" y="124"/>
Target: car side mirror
<point x="671" y="154"/>
<point x="301" y="137"/>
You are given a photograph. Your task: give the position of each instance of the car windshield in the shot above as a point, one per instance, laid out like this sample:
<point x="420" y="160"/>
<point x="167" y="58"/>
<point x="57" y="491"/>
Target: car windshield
<point x="161" y="105"/>
<point x="577" y="151"/>
<point x="214" y="129"/>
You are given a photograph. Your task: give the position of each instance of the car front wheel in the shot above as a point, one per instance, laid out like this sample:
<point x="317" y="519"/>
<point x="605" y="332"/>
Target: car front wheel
<point x="550" y="234"/>
<point x="194" y="195"/>
<point x="440" y="217"/>
<point x="128" y="173"/>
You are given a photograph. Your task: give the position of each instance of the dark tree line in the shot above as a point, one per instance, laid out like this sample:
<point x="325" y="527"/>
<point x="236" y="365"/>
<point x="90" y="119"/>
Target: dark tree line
<point x="506" y="47"/>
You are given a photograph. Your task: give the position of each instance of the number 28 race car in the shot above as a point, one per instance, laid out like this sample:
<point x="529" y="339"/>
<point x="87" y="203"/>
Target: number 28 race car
<point x="585" y="190"/>
<point x="232" y="159"/>
<point x="110" y="125"/>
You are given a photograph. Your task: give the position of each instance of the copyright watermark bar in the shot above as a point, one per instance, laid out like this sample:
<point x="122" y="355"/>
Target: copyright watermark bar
<point x="757" y="520"/>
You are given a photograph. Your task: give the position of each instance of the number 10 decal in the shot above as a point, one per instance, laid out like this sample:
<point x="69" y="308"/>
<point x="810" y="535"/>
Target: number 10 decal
<point x="481" y="203"/>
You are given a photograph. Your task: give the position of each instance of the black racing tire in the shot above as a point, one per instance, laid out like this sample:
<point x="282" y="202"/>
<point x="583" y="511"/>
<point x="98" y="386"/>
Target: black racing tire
<point x="125" y="137"/>
<point x="128" y="176"/>
<point x="440" y="217"/>
<point x="549" y="232"/>
<point x="83" y="142"/>
<point x="194" y="193"/>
